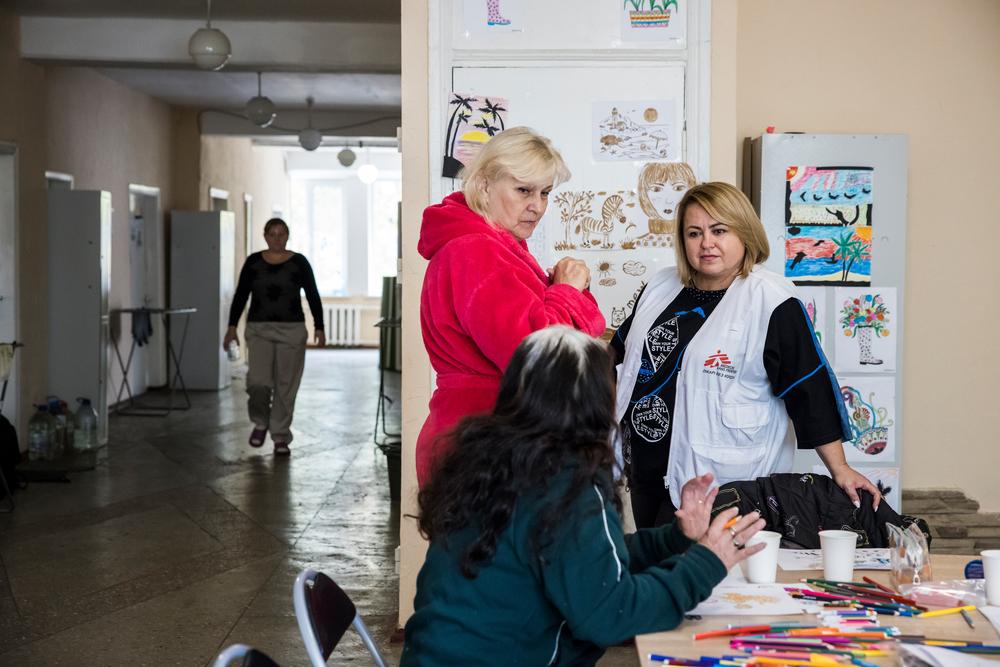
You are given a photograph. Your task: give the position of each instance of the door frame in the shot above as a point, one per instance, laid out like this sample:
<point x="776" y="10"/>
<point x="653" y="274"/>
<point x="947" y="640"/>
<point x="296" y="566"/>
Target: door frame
<point x="13" y="398"/>
<point x="156" y="273"/>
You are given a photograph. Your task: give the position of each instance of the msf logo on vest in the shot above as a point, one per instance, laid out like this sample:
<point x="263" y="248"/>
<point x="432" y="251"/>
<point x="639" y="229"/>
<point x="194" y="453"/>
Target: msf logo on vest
<point x="720" y="365"/>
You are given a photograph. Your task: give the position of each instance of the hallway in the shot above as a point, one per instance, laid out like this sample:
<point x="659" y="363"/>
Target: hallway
<point x="185" y="540"/>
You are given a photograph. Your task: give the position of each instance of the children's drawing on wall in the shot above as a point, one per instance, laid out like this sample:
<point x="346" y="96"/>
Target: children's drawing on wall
<point x="604" y="271"/>
<point x="828" y="225"/>
<point x="634" y="268"/>
<point x="486" y="16"/>
<point x="643" y="130"/>
<point x="596" y="220"/>
<point x="653" y="20"/>
<point x="871" y="407"/>
<point x="867" y="323"/>
<point x="661" y="186"/>
<point x="472" y="121"/>
<point x="814" y="301"/>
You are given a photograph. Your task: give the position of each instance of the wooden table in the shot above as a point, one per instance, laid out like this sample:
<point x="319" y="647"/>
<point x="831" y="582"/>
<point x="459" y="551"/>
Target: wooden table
<point x="679" y="642"/>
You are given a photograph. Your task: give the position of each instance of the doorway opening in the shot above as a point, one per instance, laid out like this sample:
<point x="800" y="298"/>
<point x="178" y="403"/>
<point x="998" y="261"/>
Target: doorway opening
<point x="147" y="283"/>
<point x="9" y="282"/>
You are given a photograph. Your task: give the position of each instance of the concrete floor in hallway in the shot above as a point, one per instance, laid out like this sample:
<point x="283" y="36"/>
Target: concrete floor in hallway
<point x="185" y="540"/>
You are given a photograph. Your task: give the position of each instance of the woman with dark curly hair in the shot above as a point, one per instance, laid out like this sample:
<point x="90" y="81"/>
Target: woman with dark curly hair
<point x="527" y="561"/>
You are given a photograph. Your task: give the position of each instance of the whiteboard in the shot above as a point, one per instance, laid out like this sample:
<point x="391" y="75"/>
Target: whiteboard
<point x="559" y="102"/>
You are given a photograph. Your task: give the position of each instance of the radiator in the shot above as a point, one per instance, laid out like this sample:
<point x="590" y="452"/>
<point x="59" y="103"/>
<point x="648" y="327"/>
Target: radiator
<point x="343" y="324"/>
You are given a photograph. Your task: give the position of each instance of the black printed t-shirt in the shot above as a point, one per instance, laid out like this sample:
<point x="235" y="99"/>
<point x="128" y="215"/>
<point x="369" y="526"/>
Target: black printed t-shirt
<point x="276" y="290"/>
<point x="791" y="360"/>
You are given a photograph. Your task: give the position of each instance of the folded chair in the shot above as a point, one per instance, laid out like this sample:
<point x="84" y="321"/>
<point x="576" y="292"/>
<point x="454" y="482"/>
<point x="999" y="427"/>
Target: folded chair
<point x="247" y="656"/>
<point x="324" y="612"/>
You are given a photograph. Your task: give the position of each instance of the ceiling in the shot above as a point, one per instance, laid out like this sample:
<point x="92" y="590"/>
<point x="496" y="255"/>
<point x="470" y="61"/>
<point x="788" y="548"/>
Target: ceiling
<point x="375" y="11"/>
<point x="344" y="82"/>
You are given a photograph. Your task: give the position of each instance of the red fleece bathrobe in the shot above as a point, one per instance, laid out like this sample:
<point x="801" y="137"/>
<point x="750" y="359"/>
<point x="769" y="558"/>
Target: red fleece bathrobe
<point x="483" y="293"/>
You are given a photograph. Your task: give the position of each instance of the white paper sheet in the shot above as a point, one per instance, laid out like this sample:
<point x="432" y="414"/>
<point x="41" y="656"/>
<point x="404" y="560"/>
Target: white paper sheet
<point x="812" y="559"/>
<point x="749" y="600"/>
<point x="992" y="613"/>
<point x="935" y="656"/>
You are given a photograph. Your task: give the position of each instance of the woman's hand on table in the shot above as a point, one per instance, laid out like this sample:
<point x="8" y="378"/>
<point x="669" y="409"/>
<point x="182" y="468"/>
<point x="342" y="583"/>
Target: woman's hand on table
<point x="728" y="544"/>
<point x="695" y="513"/>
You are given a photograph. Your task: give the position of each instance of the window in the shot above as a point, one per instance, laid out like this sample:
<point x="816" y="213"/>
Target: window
<point x="383" y="231"/>
<point x="318" y="231"/>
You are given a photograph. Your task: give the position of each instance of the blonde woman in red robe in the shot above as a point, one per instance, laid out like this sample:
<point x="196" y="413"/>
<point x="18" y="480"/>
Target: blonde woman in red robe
<point x="483" y="291"/>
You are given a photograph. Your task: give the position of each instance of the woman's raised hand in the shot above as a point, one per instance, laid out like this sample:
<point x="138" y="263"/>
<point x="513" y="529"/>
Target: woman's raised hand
<point x="572" y="272"/>
<point x="728" y="543"/>
<point x="695" y="512"/>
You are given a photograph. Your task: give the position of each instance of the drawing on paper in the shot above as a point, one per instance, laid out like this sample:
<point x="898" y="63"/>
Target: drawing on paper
<point x="633" y="268"/>
<point x="865" y="317"/>
<point x="650" y="13"/>
<point x="828" y="225"/>
<point x="644" y="130"/>
<point x="887" y="481"/>
<point x="474" y="120"/>
<point x="606" y="228"/>
<point x="869" y="403"/>
<point x="660" y="187"/>
<point x="814" y="301"/>
<point x="745" y="599"/>
<point x="493" y="15"/>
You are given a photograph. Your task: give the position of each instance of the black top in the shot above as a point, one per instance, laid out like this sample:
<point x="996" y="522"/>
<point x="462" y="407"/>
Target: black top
<point x="276" y="289"/>
<point x="792" y="360"/>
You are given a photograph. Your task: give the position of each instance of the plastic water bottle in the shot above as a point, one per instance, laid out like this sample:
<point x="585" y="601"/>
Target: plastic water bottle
<point x="233" y="351"/>
<point x="57" y="446"/>
<point x="85" y="433"/>
<point x="41" y="431"/>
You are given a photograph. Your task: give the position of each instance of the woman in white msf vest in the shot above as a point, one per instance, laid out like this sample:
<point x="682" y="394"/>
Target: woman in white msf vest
<point x="719" y="370"/>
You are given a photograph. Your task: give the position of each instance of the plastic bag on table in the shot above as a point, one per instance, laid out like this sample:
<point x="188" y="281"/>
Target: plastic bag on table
<point x="909" y="555"/>
<point x="955" y="593"/>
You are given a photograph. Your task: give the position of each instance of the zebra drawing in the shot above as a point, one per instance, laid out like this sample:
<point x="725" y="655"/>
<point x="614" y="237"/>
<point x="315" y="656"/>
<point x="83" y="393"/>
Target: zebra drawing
<point x="610" y="212"/>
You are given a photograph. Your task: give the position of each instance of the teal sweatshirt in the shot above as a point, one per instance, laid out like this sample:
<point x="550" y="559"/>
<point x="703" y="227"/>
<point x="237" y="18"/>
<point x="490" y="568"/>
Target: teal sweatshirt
<point x="594" y="587"/>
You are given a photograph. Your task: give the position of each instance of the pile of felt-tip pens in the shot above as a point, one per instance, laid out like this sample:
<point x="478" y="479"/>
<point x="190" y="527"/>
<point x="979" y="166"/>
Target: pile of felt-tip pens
<point x="793" y="644"/>
<point x="867" y="595"/>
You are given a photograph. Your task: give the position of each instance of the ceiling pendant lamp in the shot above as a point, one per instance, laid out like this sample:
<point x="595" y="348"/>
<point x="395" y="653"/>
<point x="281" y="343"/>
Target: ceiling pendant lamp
<point x="346" y="157"/>
<point x="367" y="173"/>
<point x="260" y="110"/>
<point x="310" y="138"/>
<point x="209" y="47"/>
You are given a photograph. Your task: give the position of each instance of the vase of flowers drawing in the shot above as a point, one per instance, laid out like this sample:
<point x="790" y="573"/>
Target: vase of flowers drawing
<point x="869" y="424"/>
<point x="650" y="13"/>
<point x="865" y="318"/>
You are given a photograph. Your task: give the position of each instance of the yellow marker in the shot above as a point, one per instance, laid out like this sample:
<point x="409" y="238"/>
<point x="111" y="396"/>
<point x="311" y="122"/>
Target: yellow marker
<point x="945" y="612"/>
<point x="732" y="522"/>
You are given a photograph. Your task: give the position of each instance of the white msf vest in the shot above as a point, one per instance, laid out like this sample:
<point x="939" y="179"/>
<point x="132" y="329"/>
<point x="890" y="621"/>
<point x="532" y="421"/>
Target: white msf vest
<point x="726" y="418"/>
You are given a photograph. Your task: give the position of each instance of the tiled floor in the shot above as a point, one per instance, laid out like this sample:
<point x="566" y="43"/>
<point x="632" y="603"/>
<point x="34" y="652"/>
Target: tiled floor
<point x="185" y="540"/>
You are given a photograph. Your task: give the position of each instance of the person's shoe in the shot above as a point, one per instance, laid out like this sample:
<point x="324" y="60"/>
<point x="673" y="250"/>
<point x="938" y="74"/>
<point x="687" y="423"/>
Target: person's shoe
<point x="281" y="449"/>
<point x="257" y="436"/>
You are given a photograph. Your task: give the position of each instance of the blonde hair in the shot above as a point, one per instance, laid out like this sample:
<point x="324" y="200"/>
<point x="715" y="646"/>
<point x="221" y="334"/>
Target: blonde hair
<point x="661" y="172"/>
<point x="519" y="153"/>
<point x="726" y="204"/>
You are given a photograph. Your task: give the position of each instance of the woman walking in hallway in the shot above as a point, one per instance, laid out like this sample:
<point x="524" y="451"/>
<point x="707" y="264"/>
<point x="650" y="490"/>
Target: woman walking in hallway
<point x="276" y="333"/>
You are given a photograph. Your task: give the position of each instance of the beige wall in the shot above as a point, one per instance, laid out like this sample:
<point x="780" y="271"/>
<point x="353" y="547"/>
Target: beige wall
<point x="888" y="67"/>
<point x="234" y="164"/>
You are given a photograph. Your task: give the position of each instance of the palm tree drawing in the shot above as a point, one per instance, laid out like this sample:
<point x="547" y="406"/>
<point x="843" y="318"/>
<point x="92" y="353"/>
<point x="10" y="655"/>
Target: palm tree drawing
<point x="493" y="109"/>
<point x="461" y="113"/>
<point x="849" y="249"/>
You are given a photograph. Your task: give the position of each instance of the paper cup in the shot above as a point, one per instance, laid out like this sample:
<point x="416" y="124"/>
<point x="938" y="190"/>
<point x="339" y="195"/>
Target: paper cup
<point x="838" y="554"/>
<point x="991" y="570"/>
<point x="762" y="567"/>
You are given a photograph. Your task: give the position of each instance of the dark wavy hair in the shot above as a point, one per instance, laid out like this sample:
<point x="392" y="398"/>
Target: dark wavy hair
<point x="555" y="412"/>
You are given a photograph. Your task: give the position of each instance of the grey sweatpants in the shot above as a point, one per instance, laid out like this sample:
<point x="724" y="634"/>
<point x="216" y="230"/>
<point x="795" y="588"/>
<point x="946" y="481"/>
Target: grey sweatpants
<point x="277" y="355"/>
